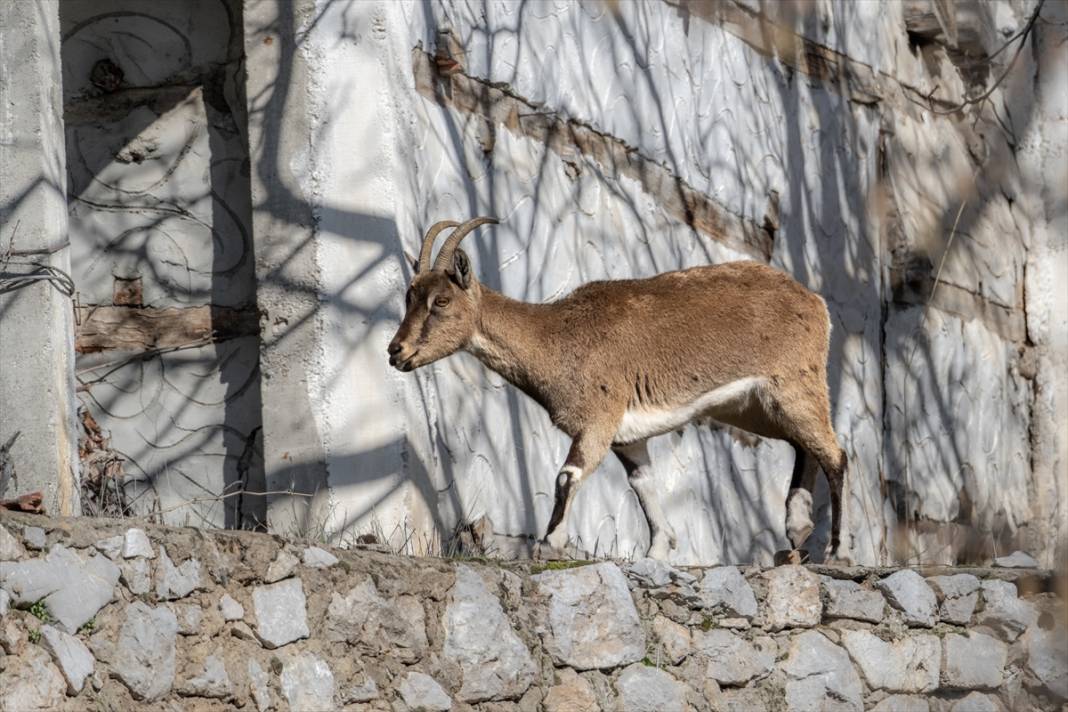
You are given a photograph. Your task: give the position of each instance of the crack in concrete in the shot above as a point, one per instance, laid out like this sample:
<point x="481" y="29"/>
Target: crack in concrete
<point x="1004" y="320"/>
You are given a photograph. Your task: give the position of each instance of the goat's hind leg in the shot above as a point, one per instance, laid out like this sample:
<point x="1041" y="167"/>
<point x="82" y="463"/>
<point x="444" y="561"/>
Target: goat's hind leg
<point x="804" y="416"/>
<point x="834" y="467"/>
<point x="636" y="462"/>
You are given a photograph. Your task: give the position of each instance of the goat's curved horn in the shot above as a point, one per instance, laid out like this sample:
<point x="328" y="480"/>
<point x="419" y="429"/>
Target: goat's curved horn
<point x="428" y="242"/>
<point x="444" y="258"/>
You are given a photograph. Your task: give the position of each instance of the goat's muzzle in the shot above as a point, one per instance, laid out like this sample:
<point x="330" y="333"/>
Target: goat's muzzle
<point x="398" y="359"/>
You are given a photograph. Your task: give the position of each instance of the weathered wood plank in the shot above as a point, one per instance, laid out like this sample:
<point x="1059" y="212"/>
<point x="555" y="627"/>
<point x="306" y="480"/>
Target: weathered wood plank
<point x="122" y="328"/>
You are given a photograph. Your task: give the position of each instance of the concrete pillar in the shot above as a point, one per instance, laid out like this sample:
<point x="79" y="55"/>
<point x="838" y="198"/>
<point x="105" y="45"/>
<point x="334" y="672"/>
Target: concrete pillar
<point x="287" y="274"/>
<point x="36" y="321"/>
<point x="1043" y="159"/>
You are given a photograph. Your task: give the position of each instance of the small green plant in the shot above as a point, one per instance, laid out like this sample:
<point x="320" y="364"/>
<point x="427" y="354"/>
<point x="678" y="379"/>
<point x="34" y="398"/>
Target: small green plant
<point x="558" y="565"/>
<point x="35" y="635"/>
<point x="40" y="611"/>
<point x="708" y="623"/>
<point x="88" y="627"/>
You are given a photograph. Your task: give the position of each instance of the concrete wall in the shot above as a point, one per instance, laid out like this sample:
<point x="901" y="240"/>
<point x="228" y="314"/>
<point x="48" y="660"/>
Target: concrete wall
<point x="613" y="140"/>
<point x="625" y="139"/>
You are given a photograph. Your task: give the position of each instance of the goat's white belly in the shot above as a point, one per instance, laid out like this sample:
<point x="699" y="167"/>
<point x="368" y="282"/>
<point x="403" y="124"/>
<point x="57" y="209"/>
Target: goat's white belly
<point x="641" y="423"/>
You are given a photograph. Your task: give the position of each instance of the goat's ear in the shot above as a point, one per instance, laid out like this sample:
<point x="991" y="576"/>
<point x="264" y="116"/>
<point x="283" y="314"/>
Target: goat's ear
<point x="461" y="269"/>
<point x="412" y="261"/>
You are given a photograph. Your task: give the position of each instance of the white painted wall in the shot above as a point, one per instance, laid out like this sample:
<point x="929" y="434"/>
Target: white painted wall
<point x="936" y="403"/>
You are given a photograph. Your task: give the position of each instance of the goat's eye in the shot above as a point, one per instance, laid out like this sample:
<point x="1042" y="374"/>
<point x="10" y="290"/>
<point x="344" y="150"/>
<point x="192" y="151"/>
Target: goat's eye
<point x="441" y="301"/>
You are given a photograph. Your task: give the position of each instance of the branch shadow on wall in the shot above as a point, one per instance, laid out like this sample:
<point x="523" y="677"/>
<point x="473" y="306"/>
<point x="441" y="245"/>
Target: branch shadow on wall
<point x="184" y="419"/>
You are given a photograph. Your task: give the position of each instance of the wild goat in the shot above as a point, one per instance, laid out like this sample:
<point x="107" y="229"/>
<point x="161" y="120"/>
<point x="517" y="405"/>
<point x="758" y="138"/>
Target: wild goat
<point x="618" y="362"/>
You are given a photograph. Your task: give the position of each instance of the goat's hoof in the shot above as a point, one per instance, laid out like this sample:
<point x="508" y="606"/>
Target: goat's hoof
<point x="661" y="547"/>
<point x="658" y="552"/>
<point x="791" y="557"/>
<point x="544" y="551"/>
<point x="799" y="534"/>
<point x="838" y="560"/>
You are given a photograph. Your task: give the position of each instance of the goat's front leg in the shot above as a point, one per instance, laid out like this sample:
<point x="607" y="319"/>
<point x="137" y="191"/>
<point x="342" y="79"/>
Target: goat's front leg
<point x="587" y="451"/>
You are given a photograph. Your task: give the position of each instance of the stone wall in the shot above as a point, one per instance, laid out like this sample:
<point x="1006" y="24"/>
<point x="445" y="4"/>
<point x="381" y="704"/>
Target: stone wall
<point x="103" y="614"/>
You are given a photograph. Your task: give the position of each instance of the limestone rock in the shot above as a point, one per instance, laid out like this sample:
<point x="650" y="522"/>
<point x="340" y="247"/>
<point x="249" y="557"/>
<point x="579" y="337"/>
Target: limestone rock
<point x="102" y="645"/>
<point x="12" y="637"/>
<point x="189" y="616"/>
<point x="136" y="575"/>
<point x="746" y="699"/>
<point x="496" y="665"/>
<point x="73" y="590"/>
<point x="646" y="689"/>
<point x="902" y="703"/>
<point x="975" y="661"/>
<point x="71" y="656"/>
<point x="592" y="619"/>
<point x="364" y="615"/>
<point x="679" y="592"/>
<point x="364" y="692"/>
<point x="1016" y="560"/>
<point x="231" y="610"/>
<point x="1003" y="612"/>
<point x="848" y="599"/>
<point x="958" y="595"/>
<point x="110" y="547"/>
<point x="793" y="598"/>
<point x="11" y="549"/>
<point x="724" y="589"/>
<point x="282" y="567"/>
<point x="653" y="573"/>
<point x="976" y="702"/>
<point x="571" y="693"/>
<point x="910" y="664"/>
<point x="675" y="640"/>
<point x="259" y="685"/>
<point x="422" y="693"/>
<point x="34" y="537"/>
<point x="821" y="677"/>
<point x="281" y="612"/>
<point x="909" y="593"/>
<point x="316" y="558"/>
<point x="211" y="682"/>
<point x="242" y="631"/>
<point x="31" y="682"/>
<point x="5" y="602"/>
<point x="144" y="654"/>
<point x="1047" y="659"/>
<point x="136" y="544"/>
<point x="175" y="582"/>
<point x="308" y="683"/>
<point x="733" y="660"/>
